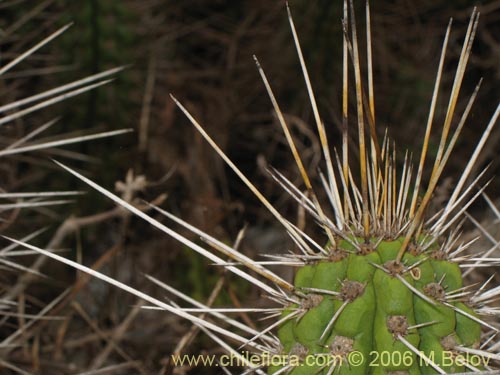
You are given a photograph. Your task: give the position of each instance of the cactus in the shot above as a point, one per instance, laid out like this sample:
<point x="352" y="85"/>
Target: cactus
<point x="386" y="288"/>
<point x="366" y="301"/>
<point x="383" y="292"/>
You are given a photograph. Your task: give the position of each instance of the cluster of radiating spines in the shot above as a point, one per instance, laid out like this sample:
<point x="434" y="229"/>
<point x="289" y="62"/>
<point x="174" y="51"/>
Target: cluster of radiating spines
<point x="12" y="202"/>
<point x="383" y="206"/>
<point x="386" y="202"/>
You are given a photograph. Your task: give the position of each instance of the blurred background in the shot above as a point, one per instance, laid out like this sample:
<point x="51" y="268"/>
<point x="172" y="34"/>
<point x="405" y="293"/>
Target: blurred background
<point x="201" y="51"/>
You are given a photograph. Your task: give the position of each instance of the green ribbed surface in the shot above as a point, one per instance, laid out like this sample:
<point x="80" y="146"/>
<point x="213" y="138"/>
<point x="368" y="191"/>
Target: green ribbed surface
<point x="381" y="308"/>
